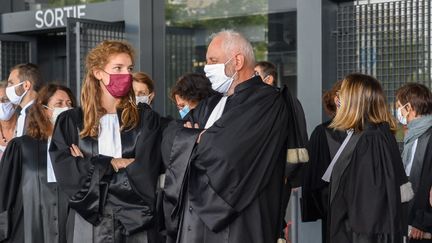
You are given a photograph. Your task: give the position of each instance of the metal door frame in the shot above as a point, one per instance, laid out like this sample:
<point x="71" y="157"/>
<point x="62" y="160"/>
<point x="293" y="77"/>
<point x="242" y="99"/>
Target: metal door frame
<point x="73" y="25"/>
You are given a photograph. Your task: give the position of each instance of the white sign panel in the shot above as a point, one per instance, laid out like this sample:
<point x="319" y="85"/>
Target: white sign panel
<point x="54" y="18"/>
<point x="57" y="17"/>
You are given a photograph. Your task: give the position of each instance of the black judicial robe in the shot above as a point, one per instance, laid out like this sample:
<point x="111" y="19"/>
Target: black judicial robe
<point x="322" y="147"/>
<point x="119" y="206"/>
<point x="228" y="188"/>
<point x="365" y="189"/>
<point x="31" y="209"/>
<point x="420" y="211"/>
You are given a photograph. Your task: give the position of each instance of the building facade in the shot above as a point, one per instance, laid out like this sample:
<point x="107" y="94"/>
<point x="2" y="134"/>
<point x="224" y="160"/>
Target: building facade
<point x="313" y="43"/>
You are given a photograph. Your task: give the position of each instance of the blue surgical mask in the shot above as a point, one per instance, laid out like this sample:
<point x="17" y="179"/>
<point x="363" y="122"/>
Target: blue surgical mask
<point x="183" y="112"/>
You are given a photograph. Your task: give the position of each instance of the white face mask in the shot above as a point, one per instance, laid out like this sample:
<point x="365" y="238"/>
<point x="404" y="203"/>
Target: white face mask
<point x="142" y="99"/>
<point x="216" y="74"/>
<point x="6" y="111"/>
<point x="402" y="119"/>
<point x="56" y="111"/>
<point x="12" y="95"/>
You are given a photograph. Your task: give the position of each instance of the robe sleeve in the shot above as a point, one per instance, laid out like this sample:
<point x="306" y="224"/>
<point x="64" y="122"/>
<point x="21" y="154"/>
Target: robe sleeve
<point x="422" y="210"/>
<point x="177" y="147"/>
<point x="297" y="155"/>
<point x="10" y="181"/>
<point x="373" y="185"/>
<point x="319" y="158"/>
<point x="144" y="171"/>
<point x="423" y="220"/>
<point x="236" y="159"/>
<point x="78" y="177"/>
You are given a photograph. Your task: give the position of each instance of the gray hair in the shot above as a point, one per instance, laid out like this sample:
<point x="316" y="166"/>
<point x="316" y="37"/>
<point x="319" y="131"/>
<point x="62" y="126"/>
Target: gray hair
<point x="233" y="41"/>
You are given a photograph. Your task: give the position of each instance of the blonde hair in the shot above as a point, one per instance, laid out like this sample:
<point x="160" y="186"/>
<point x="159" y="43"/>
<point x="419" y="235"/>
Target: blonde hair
<point x="91" y="91"/>
<point x="362" y="100"/>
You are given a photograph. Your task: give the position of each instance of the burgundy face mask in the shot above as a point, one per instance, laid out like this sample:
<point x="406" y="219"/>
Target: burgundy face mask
<point x="119" y="84"/>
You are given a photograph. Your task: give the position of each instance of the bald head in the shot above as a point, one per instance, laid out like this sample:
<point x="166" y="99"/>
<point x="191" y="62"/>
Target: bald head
<point x="226" y="44"/>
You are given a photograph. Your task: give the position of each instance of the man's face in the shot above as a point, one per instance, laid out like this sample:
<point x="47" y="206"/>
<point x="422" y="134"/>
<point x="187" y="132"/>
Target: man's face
<point x="216" y="55"/>
<point x="14" y="80"/>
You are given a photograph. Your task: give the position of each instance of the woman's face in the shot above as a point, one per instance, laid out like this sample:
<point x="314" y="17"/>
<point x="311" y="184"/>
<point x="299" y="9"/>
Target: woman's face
<point x="60" y="99"/>
<point x="141" y="89"/>
<point x="117" y="64"/>
<point x="181" y="103"/>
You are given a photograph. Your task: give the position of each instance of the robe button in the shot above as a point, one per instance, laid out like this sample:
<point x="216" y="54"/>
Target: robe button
<point x="190" y="209"/>
<point x="189" y="228"/>
<point x="55" y="218"/>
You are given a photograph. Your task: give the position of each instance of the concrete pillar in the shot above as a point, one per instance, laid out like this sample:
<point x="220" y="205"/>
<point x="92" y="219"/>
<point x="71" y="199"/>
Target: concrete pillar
<point x="309" y="83"/>
<point x="145" y="29"/>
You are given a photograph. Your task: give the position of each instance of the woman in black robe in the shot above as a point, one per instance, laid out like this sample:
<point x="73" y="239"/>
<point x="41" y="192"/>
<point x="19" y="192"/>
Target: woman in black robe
<point x="322" y="147"/>
<point x="107" y="153"/>
<point x="414" y="102"/>
<point x="32" y="208"/>
<point x="368" y="184"/>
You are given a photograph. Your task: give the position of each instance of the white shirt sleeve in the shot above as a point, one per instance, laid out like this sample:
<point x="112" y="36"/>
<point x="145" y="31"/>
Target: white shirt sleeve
<point x="413" y="150"/>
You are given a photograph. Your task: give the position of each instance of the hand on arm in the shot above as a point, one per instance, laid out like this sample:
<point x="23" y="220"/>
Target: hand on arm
<point x="120" y="163"/>
<point x="75" y="151"/>
<point x="117" y="163"/>
<point x="416" y="234"/>
<point x="196" y="126"/>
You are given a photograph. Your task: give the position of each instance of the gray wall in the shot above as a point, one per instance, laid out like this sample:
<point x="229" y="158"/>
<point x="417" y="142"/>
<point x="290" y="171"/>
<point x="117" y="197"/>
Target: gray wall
<point x="309" y="59"/>
<point x="309" y="83"/>
<point x="329" y="46"/>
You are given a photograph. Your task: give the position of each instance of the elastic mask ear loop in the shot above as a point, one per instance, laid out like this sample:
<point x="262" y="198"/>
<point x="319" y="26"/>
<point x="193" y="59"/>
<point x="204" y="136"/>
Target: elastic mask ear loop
<point x="229" y="60"/>
<point x="49" y="108"/>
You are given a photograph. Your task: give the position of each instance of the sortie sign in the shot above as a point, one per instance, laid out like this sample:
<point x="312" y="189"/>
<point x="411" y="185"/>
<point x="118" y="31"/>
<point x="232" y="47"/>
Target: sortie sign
<point x="57" y="17"/>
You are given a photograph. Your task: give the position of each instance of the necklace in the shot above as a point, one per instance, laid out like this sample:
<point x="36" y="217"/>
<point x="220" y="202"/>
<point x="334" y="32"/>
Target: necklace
<point x="3" y="137"/>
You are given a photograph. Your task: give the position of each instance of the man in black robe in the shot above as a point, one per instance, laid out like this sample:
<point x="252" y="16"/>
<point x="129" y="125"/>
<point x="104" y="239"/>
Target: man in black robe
<point x="420" y="211"/>
<point x="224" y="178"/>
<point x="414" y="102"/>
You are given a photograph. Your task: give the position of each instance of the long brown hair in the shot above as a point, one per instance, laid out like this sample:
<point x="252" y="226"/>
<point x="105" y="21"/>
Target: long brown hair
<point x="328" y="99"/>
<point x="362" y="100"/>
<point x="91" y="90"/>
<point x="39" y="125"/>
<point x="144" y="78"/>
